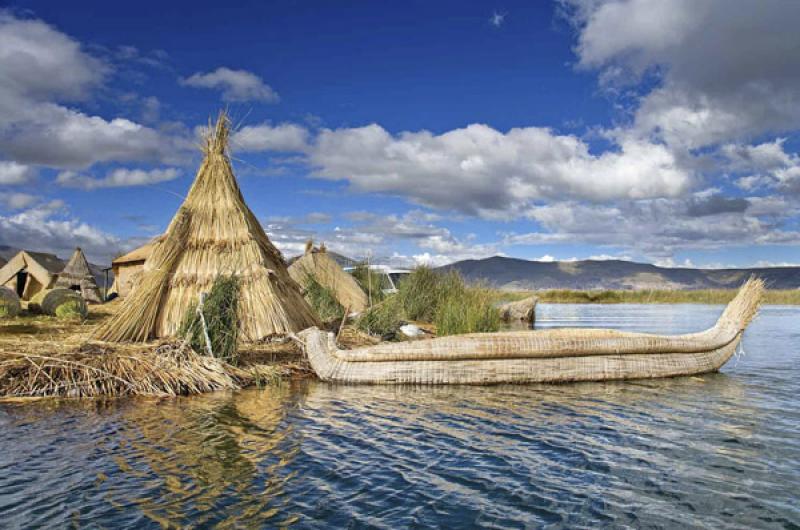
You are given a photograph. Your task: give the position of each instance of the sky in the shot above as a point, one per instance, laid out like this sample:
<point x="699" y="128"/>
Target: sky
<point x="662" y="131"/>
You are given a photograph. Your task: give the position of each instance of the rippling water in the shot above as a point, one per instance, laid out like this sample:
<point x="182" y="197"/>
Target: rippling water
<point x="721" y="450"/>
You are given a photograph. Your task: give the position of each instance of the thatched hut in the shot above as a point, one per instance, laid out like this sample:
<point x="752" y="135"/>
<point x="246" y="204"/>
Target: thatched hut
<point x="323" y="268"/>
<point x="28" y="272"/>
<point x="77" y="276"/>
<point x="128" y="268"/>
<point x="213" y="234"/>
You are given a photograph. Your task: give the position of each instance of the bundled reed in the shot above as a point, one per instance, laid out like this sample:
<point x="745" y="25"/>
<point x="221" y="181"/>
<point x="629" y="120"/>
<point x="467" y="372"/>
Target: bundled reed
<point x="317" y="265"/>
<point x="78" y="276"/>
<point x="168" y="369"/>
<point x="137" y="318"/>
<point x="9" y="302"/>
<point x="559" y="355"/>
<point x="216" y="234"/>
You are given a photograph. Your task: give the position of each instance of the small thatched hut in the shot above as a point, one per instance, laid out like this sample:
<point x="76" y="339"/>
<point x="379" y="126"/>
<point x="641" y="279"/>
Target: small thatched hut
<point x="128" y="268"/>
<point x="318" y="264"/>
<point x="27" y="273"/>
<point x="214" y="233"/>
<point x="78" y="277"/>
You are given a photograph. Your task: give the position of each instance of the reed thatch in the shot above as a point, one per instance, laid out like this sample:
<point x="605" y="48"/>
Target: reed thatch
<point x="214" y="234"/>
<point x="78" y="277"/>
<point x="538" y="356"/>
<point x="522" y="310"/>
<point x="317" y="263"/>
<point x="29" y="272"/>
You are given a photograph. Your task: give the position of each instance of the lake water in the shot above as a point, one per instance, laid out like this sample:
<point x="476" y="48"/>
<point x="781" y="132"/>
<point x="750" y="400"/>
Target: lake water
<point x="717" y="451"/>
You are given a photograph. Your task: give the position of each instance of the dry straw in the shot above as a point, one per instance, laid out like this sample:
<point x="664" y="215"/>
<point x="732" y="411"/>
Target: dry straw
<point x="538" y="356"/>
<point x="78" y="274"/>
<point x="214" y="234"/>
<point x="319" y="265"/>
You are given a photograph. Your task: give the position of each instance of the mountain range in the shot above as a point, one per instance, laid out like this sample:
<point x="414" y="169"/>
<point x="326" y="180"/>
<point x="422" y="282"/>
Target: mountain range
<point x="513" y="273"/>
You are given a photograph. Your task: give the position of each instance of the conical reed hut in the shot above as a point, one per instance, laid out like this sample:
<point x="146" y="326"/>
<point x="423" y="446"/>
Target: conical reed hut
<point x="213" y="234"/>
<point x="316" y="263"/>
<point x="78" y="276"/>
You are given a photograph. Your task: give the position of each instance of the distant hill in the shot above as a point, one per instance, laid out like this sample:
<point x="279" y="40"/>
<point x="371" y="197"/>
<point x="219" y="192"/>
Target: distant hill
<point x="6" y="253"/>
<point x="513" y="273"/>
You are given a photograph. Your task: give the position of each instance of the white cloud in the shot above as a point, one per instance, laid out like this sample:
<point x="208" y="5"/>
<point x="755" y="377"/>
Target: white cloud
<point x="724" y="70"/>
<point x="117" y="178"/>
<point x="236" y="85"/>
<point x="40" y="62"/>
<point x="14" y="173"/>
<point x="266" y="137"/>
<point x="659" y="228"/>
<point x="480" y="170"/>
<point x="497" y="19"/>
<point x="17" y="201"/>
<point x="47" y="228"/>
<point x="41" y="67"/>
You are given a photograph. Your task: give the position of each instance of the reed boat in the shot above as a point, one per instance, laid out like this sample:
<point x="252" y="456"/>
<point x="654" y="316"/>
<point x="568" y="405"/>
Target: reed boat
<point x="542" y="356"/>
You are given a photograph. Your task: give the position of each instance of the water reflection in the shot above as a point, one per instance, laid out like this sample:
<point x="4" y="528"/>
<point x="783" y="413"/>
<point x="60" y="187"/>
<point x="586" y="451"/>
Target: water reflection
<point x="714" y="451"/>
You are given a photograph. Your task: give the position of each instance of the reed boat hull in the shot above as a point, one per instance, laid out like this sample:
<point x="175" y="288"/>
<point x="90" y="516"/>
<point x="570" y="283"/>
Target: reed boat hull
<point x="512" y="371"/>
<point x="551" y="356"/>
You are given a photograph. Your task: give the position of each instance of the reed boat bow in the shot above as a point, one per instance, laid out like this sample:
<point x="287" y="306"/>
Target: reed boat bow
<point x="559" y="355"/>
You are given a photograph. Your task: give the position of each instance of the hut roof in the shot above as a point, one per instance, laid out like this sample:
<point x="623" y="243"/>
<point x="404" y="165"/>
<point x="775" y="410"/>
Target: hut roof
<point x="214" y="233"/>
<point x="318" y="263"/>
<point x="51" y="262"/>
<point x="42" y="267"/>
<point x="138" y="254"/>
<point x="77" y="272"/>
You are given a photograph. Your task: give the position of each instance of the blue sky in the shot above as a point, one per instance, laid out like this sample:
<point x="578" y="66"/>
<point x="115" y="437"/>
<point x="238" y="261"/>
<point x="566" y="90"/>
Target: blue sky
<point x="661" y="131"/>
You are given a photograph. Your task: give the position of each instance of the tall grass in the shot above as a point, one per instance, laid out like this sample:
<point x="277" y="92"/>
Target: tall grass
<point x="382" y="319"/>
<point x="435" y="297"/>
<point x="470" y="311"/>
<point x="371" y="282"/>
<point x="648" y="296"/>
<point x="220" y="311"/>
<point x="322" y="299"/>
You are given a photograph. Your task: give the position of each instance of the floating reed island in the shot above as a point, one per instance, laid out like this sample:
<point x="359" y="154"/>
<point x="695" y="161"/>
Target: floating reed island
<point x="215" y="307"/>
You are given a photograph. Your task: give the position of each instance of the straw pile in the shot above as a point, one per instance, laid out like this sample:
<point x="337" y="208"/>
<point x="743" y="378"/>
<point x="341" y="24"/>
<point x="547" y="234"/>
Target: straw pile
<point x="318" y="265"/>
<point x="538" y="356"/>
<point x="169" y="369"/>
<point x="522" y="310"/>
<point x="9" y="302"/>
<point x="214" y="234"/>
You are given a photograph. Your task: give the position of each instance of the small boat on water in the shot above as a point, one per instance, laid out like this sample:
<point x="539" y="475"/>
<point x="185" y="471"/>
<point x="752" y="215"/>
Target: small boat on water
<point x="545" y="356"/>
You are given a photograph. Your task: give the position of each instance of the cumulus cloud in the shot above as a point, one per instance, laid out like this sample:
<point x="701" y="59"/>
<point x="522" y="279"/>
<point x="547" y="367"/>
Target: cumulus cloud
<point x="40" y="68"/>
<point x="724" y="70"/>
<point x="266" y="137"/>
<point x="480" y="170"/>
<point x="47" y="227"/>
<point x="13" y="173"/>
<point x="235" y="85"/>
<point x="658" y="228"/>
<point x="118" y="178"/>
<point x="17" y="201"/>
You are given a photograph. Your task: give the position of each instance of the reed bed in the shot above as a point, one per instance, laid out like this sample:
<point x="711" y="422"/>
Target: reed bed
<point x="438" y="298"/>
<point x="43" y="356"/>
<point x="647" y="296"/>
